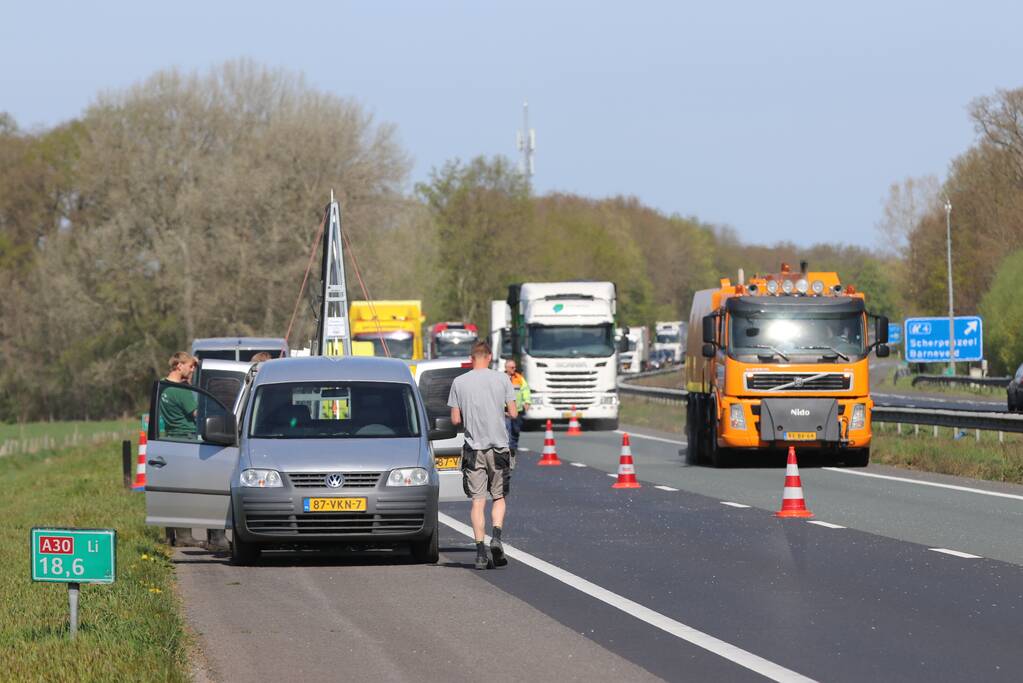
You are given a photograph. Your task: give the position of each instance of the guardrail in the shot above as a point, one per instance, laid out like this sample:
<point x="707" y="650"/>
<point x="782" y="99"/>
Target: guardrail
<point x="956" y="419"/>
<point x="999" y="382"/>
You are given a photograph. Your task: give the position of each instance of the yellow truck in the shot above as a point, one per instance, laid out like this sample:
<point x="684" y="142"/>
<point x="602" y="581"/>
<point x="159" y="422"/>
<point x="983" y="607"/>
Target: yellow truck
<point x="398" y="325"/>
<point x="780" y="360"/>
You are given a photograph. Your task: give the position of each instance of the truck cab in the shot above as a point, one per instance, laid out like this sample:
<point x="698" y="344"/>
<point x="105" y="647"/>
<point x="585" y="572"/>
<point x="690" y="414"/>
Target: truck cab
<point x="635" y="356"/>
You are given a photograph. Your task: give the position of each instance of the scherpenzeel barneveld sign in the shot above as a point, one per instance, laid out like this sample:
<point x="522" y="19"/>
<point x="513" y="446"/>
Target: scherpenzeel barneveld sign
<point x="927" y="339"/>
<point x="74" y="555"/>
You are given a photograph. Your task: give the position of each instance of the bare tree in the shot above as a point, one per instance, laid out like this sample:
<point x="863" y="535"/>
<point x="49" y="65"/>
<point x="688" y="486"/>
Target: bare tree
<point x="906" y="205"/>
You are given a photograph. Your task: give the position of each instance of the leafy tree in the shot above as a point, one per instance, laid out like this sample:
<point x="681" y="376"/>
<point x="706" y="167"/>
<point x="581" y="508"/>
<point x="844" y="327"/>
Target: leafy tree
<point x="1002" y="308"/>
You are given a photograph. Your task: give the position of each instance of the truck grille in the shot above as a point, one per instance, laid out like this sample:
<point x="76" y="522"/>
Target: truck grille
<point x="798" y="381"/>
<point x="315" y="480"/>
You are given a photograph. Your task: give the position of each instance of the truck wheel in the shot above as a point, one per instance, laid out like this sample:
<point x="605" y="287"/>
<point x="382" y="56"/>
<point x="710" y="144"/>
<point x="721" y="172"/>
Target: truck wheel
<point x="857" y="457"/>
<point x="609" y="425"/>
<point x="242" y="553"/>
<point x="692" y="431"/>
<point x="426" y="551"/>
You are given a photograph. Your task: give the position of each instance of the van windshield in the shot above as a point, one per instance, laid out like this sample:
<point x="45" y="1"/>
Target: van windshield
<point x="334" y="410"/>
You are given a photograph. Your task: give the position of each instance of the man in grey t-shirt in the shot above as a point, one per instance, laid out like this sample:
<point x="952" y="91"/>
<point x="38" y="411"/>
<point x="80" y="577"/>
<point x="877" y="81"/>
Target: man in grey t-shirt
<point x="480" y="399"/>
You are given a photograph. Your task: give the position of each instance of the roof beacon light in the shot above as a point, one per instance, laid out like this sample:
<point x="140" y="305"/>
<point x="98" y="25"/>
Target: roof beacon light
<point x="817" y="287"/>
<point x="772" y="286"/>
<point x="787" y="286"/>
<point x="754" y="289"/>
<point x="837" y="289"/>
<point x="802" y="285"/>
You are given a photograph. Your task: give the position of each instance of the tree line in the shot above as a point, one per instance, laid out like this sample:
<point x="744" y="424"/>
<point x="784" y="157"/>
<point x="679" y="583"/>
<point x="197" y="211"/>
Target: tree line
<point x="186" y="206"/>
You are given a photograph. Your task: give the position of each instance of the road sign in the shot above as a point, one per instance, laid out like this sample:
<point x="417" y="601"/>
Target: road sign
<point x="74" y="555"/>
<point x="894" y="333"/>
<point x="927" y="339"/>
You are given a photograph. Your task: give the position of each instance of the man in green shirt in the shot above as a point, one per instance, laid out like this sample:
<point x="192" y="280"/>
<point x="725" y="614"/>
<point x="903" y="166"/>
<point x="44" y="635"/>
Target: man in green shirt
<point x="178" y="406"/>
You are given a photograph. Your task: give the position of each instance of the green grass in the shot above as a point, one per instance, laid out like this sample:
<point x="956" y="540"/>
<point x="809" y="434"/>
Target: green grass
<point x="987" y="459"/>
<point x="129" y="631"/>
<point x="33" y="437"/>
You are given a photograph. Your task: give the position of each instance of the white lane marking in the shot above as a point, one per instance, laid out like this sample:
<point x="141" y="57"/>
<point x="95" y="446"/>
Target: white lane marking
<point x="652" y="438"/>
<point x="732" y="653"/>
<point x="612" y="475"/>
<point x="966" y="489"/>
<point x="956" y="553"/>
<point x="734" y="505"/>
<point x="576" y="464"/>
<point x="665" y="488"/>
<point x="829" y="525"/>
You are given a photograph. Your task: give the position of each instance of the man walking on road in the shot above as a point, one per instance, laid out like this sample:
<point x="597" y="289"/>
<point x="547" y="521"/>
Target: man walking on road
<point x="479" y="400"/>
<point x="522" y="398"/>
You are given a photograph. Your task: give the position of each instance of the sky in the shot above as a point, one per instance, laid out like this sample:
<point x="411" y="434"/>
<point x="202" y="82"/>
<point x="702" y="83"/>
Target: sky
<point x="784" y="120"/>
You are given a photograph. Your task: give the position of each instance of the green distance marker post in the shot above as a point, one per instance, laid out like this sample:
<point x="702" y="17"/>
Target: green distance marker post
<point x="74" y="557"/>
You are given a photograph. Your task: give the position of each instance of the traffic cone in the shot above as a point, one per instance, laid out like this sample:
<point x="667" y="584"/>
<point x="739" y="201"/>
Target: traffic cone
<point x="792" y="502"/>
<point x="550" y="456"/>
<point x="626" y="468"/>
<point x="573" y="424"/>
<point x="140" y="469"/>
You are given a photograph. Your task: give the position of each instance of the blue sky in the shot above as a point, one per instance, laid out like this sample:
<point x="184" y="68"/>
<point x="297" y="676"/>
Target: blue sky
<point x="785" y="120"/>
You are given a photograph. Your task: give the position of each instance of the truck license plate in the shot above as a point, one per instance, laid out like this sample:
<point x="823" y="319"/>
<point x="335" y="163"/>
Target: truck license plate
<point x="800" y="436"/>
<point x="334" y="504"/>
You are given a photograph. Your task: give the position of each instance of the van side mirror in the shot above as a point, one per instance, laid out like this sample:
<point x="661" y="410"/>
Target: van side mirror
<point x="882" y="351"/>
<point x="442" y="428"/>
<point x="709" y="350"/>
<point x="220" y="429"/>
<point x="881" y="331"/>
<point x="709" y="329"/>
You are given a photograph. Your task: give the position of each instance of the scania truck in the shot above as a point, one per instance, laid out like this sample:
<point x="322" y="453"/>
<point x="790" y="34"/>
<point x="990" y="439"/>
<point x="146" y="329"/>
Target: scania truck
<point x="781" y="360"/>
<point x="562" y="336"/>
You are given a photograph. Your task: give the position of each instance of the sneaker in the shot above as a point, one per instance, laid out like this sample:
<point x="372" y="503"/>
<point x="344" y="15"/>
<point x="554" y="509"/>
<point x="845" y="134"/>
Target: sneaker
<point x="481" y="560"/>
<point x="497" y="550"/>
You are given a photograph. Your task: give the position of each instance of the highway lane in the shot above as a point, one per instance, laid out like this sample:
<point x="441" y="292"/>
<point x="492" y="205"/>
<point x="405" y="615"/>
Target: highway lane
<point x="985" y="525"/>
<point x="830" y="604"/>
<point x="939" y="402"/>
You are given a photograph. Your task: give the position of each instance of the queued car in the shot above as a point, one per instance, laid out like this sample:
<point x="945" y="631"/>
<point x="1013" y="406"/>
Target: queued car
<point x="434" y="378"/>
<point x="1014" y="391"/>
<point x="319" y="452"/>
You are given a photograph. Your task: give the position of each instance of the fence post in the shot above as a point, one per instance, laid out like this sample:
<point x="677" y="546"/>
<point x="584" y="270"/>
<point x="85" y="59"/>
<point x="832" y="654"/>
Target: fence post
<point x="898" y="427"/>
<point x="935" y="431"/>
<point x="126" y="463"/>
<point x="1001" y="436"/>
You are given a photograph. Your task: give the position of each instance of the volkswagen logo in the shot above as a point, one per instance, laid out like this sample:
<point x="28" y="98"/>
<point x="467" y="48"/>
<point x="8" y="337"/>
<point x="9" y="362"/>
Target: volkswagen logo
<point x="334" y="481"/>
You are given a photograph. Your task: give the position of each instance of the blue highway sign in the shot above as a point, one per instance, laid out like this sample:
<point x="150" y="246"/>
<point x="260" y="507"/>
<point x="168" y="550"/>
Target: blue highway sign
<point x="927" y="339"/>
<point x="894" y="333"/>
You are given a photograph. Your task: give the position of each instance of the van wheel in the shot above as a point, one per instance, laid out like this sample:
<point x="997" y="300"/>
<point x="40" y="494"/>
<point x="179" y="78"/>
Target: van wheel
<point x="426" y="551"/>
<point x="242" y="553"/>
<point x="857" y="457"/>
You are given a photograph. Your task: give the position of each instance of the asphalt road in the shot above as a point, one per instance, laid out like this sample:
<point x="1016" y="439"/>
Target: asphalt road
<point x="666" y="582"/>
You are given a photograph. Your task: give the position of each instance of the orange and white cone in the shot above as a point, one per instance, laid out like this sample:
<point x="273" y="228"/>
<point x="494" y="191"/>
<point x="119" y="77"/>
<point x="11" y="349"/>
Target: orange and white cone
<point x="792" y="502"/>
<point x="626" y="468"/>
<point x="140" y="468"/>
<point x="549" y="458"/>
<point x="574" y="428"/>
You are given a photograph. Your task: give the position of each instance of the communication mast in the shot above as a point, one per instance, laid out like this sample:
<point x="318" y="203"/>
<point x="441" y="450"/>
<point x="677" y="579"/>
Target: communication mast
<point x="333" y="330"/>
<point x="527" y="145"/>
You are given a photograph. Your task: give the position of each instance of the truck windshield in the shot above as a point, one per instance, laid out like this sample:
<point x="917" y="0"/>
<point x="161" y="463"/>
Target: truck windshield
<point x="820" y="335"/>
<point x="400" y="347"/>
<point x="632" y="344"/>
<point x="667" y="338"/>
<point x="452" y="347"/>
<point x="334" y="410"/>
<point x="571" y="341"/>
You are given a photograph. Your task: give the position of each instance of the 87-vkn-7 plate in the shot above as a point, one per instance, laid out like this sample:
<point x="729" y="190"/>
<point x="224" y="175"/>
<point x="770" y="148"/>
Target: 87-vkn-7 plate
<point x="334" y="504"/>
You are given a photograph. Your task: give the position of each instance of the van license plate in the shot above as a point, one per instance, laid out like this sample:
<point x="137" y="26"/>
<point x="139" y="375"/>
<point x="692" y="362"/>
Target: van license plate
<point x="446" y="462"/>
<point x="334" y="504"/>
<point x="800" y="436"/>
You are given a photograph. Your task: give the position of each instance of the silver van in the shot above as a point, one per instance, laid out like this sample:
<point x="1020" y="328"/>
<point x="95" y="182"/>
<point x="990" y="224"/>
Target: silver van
<point x="319" y="452"/>
<point x="239" y="348"/>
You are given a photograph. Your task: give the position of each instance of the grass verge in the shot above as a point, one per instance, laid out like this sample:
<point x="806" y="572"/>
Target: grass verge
<point x="34" y="437"/>
<point x="129" y="631"/>
<point x="987" y="459"/>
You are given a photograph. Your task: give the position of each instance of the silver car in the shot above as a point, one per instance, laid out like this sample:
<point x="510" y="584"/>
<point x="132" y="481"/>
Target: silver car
<point x="321" y="451"/>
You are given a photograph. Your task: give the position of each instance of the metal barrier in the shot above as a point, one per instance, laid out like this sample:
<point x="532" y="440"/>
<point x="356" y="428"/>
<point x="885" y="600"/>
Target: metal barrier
<point x="999" y="382"/>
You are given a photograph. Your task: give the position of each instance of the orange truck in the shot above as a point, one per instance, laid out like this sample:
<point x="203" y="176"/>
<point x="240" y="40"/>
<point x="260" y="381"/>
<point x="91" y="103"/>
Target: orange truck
<point x="777" y="361"/>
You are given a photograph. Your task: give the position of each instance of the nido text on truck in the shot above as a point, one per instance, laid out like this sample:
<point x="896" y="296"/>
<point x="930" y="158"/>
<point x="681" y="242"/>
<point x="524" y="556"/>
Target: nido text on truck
<point x="777" y="361"/>
<point x="562" y="334"/>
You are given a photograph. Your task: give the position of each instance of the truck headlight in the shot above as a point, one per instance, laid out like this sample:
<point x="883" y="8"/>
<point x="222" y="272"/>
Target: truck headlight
<point x="536" y="400"/>
<point x="608" y="400"/>
<point x="736" y="416"/>
<point x="859" y="417"/>
<point x="410" y="476"/>
<point x="260" y="479"/>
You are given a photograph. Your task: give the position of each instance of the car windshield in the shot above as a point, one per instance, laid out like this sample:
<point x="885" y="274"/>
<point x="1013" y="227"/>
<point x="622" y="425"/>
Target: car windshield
<point x="334" y="410"/>
<point x="455" y="347"/>
<point x="570" y="341"/>
<point x="667" y="338"/>
<point x="834" y="336"/>
<point x="399" y="347"/>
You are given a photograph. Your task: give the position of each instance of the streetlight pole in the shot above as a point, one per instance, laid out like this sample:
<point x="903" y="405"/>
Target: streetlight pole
<point x="951" y="310"/>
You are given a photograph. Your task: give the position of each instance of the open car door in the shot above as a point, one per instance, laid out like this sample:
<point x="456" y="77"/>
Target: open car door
<point x="192" y="453"/>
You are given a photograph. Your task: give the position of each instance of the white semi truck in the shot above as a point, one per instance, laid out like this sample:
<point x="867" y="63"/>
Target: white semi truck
<point x="500" y="333"/>
<point x="636" y="356"/>
<point x="562" y="334"/>
<point x="669" y="336"/>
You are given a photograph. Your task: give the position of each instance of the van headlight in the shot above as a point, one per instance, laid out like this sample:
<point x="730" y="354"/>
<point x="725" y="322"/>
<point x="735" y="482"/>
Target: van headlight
<point x="409" y="476"/>
<point x="736" y="416"/>
<point x="859" y="417"/>
<point x="260" y="479"/>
